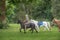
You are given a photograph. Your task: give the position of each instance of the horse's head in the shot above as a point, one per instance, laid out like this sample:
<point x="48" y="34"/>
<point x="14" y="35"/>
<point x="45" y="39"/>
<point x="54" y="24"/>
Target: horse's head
<point x="54" y="20"/>
<point x="19" y="21"/>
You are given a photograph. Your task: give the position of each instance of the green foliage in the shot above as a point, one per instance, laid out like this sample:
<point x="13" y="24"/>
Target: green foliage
<point x="56" y="8"/>
<point x="4" y="24"/>
<point x="42" y="10"/>
<point x="10" y="11"/>
<point x="36" y="9"/>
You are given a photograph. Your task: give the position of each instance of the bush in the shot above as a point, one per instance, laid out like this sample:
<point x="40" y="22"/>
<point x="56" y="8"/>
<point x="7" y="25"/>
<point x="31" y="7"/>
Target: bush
<point x="4" y="24"/>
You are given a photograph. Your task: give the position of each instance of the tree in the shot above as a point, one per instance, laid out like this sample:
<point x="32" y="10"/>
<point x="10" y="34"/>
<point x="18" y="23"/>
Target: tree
<point x="2" y="13"/>
<point x="56" y="8"/>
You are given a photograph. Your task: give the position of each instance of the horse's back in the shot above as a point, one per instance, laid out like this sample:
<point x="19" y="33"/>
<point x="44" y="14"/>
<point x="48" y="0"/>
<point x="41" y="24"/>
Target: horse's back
<point x="32" y="24"/>
<point x="40" y="23"/>
<point x="43" y="23"/>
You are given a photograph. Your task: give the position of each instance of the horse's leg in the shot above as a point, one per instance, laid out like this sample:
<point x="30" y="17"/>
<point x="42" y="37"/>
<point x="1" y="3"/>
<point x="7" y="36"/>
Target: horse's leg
<point x="20" y="29"/>
<point x="49" y="25"/>
<point x="32" y="28"/>
<point x="59" y="28"/>
<point x="25" y="29"/>
<point x="36" y="30"/>
<point x="46" y="26"/>
<point x="37" y="27"/>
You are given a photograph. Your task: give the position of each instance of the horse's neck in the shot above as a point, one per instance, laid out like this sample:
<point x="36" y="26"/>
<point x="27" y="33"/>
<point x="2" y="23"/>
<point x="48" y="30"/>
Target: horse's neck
<point x="57" y="21"/>
<point x="21" y="23"/>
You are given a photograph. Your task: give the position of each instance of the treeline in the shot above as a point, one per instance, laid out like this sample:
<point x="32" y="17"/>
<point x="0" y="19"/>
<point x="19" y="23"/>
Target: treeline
<point x="12" y="10"/>
<point x="36" y="9"/>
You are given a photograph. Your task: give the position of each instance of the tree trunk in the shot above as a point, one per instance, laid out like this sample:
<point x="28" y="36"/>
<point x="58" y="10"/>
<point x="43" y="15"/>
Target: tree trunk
<point x="2" y="12"/>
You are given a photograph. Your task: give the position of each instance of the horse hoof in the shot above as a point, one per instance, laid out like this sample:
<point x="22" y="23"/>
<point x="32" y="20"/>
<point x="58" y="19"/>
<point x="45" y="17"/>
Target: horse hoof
<point x="36" y="32"/>
<point x="24" y="32"/>
<point x="20" y="31"/>
<point x="31" y="32"/>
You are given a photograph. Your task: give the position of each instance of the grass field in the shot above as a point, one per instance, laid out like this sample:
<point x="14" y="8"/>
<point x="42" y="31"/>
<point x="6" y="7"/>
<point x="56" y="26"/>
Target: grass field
<point x="12" y="33"/>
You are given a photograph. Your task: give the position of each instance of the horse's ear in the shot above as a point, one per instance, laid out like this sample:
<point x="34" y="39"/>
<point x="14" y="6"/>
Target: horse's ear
<point x="19" y="20"/>
<point x="52" y="18"/>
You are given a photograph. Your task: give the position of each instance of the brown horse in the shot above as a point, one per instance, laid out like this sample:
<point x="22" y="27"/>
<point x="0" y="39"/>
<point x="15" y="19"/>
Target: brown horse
<point x="57" y="22"/>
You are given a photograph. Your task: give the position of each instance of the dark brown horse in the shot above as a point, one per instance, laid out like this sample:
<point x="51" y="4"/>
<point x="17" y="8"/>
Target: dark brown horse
<point x="57" y="22"/>
<point x="26" y="26"/>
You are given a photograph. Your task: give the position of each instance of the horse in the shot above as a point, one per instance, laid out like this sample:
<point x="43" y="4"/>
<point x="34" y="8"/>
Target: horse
<point x="45" y="24"/>
<point x="57" y="22"/>
<point x="42" y="23"/>
<point x="26" y="26"/>
<point x="36" y="24"/>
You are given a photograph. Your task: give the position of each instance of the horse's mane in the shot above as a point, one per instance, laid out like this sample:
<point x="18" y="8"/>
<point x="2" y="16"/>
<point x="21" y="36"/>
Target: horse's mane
<point x="57" y="21"/>
<point x="20" y="21"/>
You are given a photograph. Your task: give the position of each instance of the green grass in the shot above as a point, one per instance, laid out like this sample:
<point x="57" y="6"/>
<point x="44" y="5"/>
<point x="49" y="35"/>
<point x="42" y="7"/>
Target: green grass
<point x="12" y="33"/>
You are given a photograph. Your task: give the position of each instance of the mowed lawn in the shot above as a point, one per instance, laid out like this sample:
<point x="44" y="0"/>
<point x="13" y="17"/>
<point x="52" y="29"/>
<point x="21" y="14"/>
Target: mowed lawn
<point x="12" y="33"/>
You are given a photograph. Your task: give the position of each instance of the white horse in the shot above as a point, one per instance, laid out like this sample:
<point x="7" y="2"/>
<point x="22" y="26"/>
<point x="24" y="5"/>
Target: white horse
<point x="45" y="24"/>
<point x="36" y="24"/>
